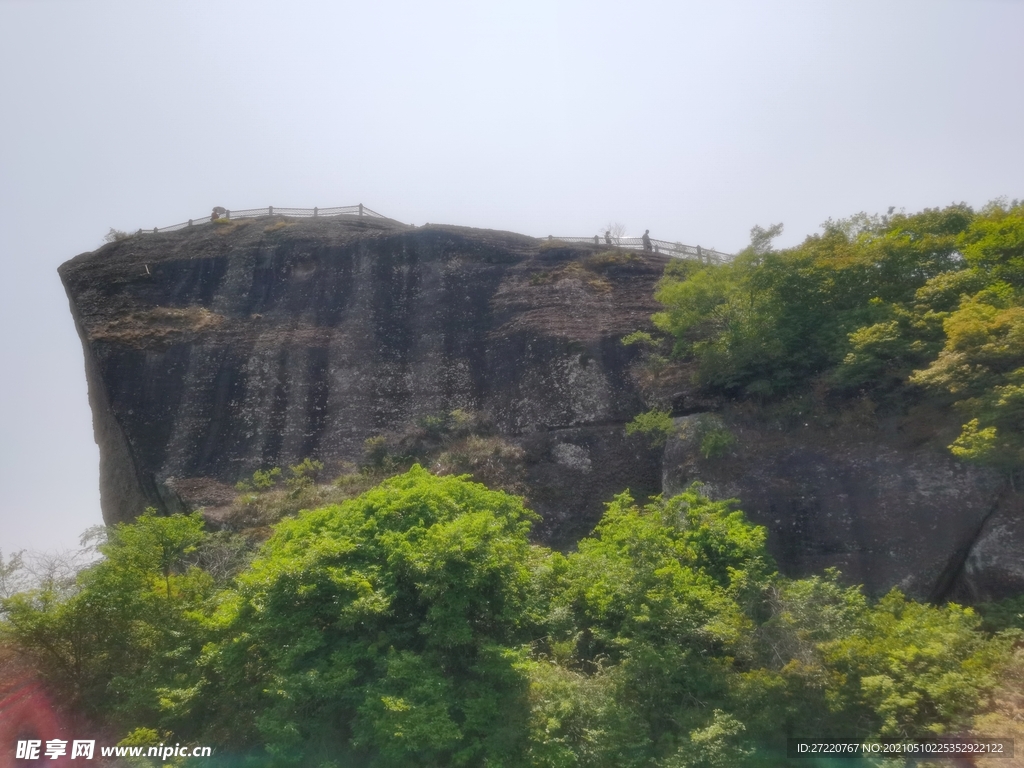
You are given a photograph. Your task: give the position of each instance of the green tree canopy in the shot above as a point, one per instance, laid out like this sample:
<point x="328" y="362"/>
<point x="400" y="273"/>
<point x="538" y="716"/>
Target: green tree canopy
<point x="891" y="306"/>
<point x="416" y="626"/>
<point x="392" y="623"/>
<point x="764" y="323"/>
<point x="120" y="636"/>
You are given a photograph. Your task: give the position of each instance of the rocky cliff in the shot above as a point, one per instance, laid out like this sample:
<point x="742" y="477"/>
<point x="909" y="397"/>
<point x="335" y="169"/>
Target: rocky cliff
<point x="215" y="351"/>
<point x="884" y="507"/>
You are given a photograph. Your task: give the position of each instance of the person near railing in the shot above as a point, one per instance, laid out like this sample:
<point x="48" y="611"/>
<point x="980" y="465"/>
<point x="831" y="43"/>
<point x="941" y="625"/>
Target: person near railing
<point x="646" y="239"/>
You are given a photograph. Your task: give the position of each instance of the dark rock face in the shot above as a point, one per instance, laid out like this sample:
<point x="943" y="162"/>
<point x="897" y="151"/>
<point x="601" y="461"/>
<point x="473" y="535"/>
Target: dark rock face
<point x="994" y="564"/>
<point x="214" y="352"/>
<point x="884" y="514"/>
<point x="218" y="351"/>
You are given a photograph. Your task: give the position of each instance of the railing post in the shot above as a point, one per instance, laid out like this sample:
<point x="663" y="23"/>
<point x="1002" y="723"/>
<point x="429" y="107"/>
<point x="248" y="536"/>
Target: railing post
<point x="360" y="209"/>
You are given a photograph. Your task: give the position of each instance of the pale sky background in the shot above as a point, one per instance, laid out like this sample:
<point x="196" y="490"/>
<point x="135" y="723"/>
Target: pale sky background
<point x="696" y="120"/>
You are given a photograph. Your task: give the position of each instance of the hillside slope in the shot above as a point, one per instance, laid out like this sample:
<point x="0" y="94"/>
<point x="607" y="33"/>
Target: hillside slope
<point x="211" y="353"/>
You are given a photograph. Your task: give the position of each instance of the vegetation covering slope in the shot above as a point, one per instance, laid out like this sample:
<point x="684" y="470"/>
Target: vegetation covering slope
<point x="415" y="625"/>
<point x="901" y="308"/>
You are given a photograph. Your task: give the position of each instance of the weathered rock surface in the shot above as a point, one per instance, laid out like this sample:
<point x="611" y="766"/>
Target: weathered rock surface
<point x="214" y="352"/>
<point x="994" y="564"/>
<point x="884" y="513"/>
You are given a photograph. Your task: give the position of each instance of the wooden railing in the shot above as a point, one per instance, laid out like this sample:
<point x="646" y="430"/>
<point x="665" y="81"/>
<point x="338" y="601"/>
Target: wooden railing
<point x="664" y="247"/>
<point x="252" y="213"/>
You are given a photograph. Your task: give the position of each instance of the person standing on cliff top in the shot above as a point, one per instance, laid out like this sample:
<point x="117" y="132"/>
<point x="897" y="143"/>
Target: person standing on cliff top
<point x="646" y="239"/>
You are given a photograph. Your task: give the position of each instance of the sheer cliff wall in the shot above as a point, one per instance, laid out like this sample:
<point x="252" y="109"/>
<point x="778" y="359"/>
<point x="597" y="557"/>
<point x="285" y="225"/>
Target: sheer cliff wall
<point x="218" y="351"/>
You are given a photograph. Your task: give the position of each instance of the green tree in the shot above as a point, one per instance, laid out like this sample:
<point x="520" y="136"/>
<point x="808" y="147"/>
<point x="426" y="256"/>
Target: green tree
<point x="909" y="669"/>
<point x="416" y="626"/>
<point x="980" y="365"/>
<point x="828" y="662"/>
<point x="391" y="626"/>
<point x="651" y="607"/>
<point x="116" y="640"/>
<point x="994" y="245"/>
<point x="769" y="321"/>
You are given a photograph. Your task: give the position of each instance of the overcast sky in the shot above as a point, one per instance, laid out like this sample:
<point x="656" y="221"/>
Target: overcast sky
<point x="695" y="120"/>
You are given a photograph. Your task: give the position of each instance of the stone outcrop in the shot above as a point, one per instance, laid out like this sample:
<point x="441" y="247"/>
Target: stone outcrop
<point x="883" y="512"/>
<point x="223" y="349"/>
<point x="216" y="351"/>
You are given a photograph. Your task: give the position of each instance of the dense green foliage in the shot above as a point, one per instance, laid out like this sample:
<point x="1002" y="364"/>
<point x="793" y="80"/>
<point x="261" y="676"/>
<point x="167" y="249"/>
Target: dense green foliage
<point x="416" y="626"/>
<point x="118" y="638"/>
<point x="391" y="622"/>
<point x="413" y="624"/>
<point x="895" y="307"/>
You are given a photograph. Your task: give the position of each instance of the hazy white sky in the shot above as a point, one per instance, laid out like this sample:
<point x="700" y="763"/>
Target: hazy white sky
<point x="696" y="120"/>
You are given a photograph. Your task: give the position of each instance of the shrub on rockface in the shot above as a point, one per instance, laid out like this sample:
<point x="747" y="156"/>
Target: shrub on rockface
<point x="656" y="425"/>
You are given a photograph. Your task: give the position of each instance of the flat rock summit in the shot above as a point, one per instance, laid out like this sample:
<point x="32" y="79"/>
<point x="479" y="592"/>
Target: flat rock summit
<point x="218" y="350"/>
